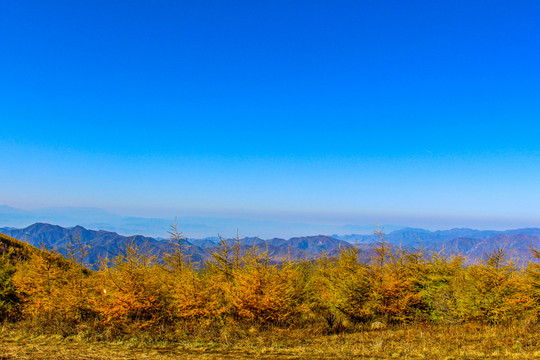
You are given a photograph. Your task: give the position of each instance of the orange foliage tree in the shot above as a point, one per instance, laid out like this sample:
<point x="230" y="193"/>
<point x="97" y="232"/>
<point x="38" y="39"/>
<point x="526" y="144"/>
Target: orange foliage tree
<point x="493" y="291"/>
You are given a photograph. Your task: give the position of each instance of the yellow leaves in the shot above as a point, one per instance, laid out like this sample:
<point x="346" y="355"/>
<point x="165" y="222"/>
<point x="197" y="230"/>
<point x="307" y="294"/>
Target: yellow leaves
<point x="196" y="296"/>
<point x="136" y="291"/>
<point x="54" y="288"/>
<point x="261" y="295"/>
<point x="493" y="291"/>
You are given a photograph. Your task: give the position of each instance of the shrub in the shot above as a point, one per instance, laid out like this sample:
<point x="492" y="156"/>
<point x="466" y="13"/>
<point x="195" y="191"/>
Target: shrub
<point x="57" y="294"/>
<point x="341" y="290"/>
<point x="492" y="291"/>
<point x="397" y="284"/>
<point x="533" y="279"/>
<point x="264" y="293"/>
<point x="436" y="286"/>
<point x="134" y="294"/>
<point x="10" y="300"/>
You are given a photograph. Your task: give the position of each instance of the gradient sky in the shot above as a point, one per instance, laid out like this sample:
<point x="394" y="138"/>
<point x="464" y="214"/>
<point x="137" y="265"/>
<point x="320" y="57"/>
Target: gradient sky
<point x="336" y="111"/>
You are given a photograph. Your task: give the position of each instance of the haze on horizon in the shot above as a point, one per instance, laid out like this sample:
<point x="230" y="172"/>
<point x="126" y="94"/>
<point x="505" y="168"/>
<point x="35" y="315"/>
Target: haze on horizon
<point x="416" y="113"/>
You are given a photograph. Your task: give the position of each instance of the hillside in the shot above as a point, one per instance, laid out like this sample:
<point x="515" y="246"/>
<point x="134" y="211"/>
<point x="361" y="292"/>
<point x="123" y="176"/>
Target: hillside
<point x="21" y="251"/>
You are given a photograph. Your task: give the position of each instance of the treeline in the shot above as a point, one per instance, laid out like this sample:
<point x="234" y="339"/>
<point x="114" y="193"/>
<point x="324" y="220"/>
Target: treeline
<point x="235" y="289"/>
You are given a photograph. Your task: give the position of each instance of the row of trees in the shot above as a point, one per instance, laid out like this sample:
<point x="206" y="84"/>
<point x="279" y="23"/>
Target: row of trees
<point x="136" y="291"/>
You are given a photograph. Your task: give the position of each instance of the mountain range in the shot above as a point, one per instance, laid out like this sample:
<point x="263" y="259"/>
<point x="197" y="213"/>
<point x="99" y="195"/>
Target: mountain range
<point x="421" y="237"/>
<point x="473" y="244"/>
<point x="192" y="226"/>
<point x="107" y="244"/>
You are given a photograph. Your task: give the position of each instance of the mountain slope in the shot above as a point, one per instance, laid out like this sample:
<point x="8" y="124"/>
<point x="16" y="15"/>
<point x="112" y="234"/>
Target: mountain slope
<point x="19" y="249"/>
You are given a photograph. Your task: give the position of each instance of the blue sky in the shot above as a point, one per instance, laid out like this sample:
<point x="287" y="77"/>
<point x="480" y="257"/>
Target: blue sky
<point x="342" y="112"/>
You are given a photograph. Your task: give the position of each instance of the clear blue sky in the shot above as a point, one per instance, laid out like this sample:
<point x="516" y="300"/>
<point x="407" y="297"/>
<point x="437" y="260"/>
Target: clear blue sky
<point x="304" y="110"/>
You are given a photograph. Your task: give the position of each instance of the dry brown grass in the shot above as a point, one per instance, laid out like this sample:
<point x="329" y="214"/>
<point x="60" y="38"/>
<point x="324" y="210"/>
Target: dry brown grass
<point x="467" y="341"/>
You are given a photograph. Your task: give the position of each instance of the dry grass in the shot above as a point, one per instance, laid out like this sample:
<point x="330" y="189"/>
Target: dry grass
<point x="468" y="341"/>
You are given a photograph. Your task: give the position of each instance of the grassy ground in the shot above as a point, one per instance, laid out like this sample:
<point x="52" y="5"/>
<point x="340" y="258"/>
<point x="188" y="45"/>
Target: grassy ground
<point x="406" y="342"/>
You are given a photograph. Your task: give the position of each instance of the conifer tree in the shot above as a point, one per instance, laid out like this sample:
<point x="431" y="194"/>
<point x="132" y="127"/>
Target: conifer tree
<point x="493" y="291"/>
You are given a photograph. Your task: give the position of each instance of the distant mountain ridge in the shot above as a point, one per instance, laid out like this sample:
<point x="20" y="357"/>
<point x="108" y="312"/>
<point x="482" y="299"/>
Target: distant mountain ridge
<point x="518" y="246"/>
<point x="103" y="243"/>
<point x="108" y="244"/>
<point x="417" y="237"/>
<point x="192" y="226"/>
<point x="473" y="244"/>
